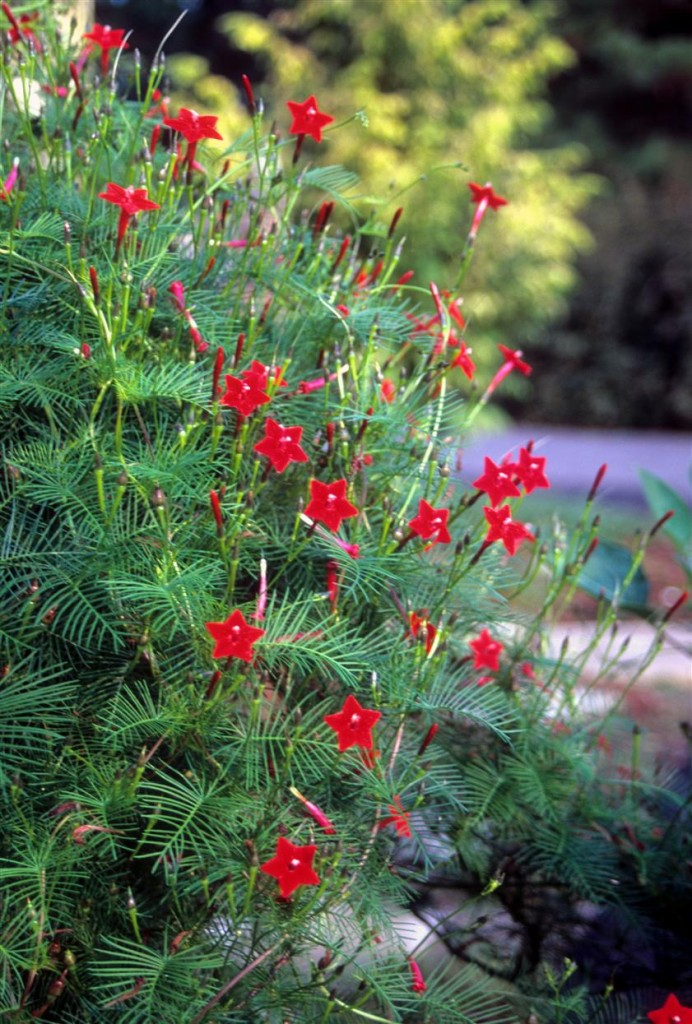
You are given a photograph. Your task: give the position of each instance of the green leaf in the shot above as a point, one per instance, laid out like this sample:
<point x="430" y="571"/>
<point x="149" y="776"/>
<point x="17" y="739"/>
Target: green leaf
<point x="662" y="499"/>
<point x="606" y="571"/>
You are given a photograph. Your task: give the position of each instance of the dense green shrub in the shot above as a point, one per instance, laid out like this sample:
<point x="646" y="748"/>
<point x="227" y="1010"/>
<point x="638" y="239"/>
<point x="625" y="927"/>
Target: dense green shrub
<point x="263" y="684"/>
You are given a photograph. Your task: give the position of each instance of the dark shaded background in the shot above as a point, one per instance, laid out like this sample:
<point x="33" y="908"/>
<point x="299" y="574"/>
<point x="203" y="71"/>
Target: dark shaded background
<point x="622" y="356"/>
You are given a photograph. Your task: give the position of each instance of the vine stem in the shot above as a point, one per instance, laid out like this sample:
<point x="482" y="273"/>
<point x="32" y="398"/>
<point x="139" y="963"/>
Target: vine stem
<point x="235" y="981"/>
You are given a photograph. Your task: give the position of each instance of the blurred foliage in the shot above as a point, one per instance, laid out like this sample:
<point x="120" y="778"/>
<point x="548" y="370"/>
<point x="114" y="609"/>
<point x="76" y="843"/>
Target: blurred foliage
<point x="629" y="98"/>
<point x="450" y="91"/>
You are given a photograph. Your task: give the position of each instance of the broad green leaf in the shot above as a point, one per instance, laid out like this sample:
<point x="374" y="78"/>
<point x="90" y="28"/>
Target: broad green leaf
<point x="605" y="572"/>
<point x="661" y="499"/>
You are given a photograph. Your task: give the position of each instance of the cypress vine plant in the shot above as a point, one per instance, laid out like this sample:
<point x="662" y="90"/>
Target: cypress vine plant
<point x="263" y="679"/>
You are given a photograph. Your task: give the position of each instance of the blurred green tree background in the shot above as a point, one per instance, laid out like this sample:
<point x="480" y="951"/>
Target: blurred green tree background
<point x="564" y="104"/>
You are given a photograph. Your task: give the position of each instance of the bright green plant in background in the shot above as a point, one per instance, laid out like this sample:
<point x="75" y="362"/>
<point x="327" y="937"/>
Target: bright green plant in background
<point x="441" y="84"/>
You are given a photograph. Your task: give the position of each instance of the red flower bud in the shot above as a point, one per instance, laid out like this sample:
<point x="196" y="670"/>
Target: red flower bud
<point x="11" y="18"/>
<point x="590" y="550"/>
<point x="428" y="738"/>
<point x="93" y="277"/>
<point x="418" y="982"/>
<point x="395" y="221"/>
<point x="238" y="349"/>
<point x="314" y="811"/>
<point x="332" y="582"/>
<point x="325" y="212"/>
<point x="597" y="482"/>
<point x="342" y="252"/>
<point x="74" y="74"/>
<point x="661" y="522"/>
<point x="677" y="604"/>
<point x="405" y="278"/>
<point x="218" y="367"/>
<point x="247" y="86"/>
<point x="216" y="510"/>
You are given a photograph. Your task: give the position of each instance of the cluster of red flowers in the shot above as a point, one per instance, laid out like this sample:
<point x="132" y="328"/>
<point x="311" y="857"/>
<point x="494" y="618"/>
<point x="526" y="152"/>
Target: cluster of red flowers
<point x="500" y="483"/>
<point x="445" y="326"/>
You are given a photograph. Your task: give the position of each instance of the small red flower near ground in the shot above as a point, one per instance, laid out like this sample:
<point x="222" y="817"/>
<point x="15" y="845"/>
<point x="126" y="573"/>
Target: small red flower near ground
<point x="529" y="469"/>
<point x="281" y="445"/>
<point x="431" y="523"/>
<point x="353" y="724"/>
<point x="497" y="482"/>
<point x="398" y="817"/>
<point x="328" y="503"/>
<point x="131" y="201"/>
<point x="235" y="637"/>
<point x="420" y="625"/>
<point x="247" y="394"/>
<point x="291" y="866"/>
<point x="107" y="39"/>
<point x="486" y="651"/>
<point x="504" y="528"/>
<point x="672" y="1012"/>
<point x="193" y="127"/>
<point x="308" y="119"/>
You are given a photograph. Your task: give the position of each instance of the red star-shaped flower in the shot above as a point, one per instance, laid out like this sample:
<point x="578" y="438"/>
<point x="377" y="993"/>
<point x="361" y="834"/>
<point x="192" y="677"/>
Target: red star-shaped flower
<point x="193" y="126"/>
<point x="106" y="38"/>
<point x="431" y="523"/>
<point x="529" y="469"/>
<point x="328" y="503"/>
<point x="292" y="866"/>
<point x="353" y="724"/>
<point x="497" y="482"/>
<point x="504" y="528"/>
<point x="247" y="392"/>
<point x="487" y="651"/>
<point x="463" y="359"/>
<point x="131" y="200"/>
<point x="235" y="637"/>
<point x="672" y="1012"/>
<point x="513" y="356"/>
<point x="308" y="119"/>
<point x="420" y="625"/>
<point x="481" y="193"/>
<point x="21" y="28"/>
<point x="281" y="445"/>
